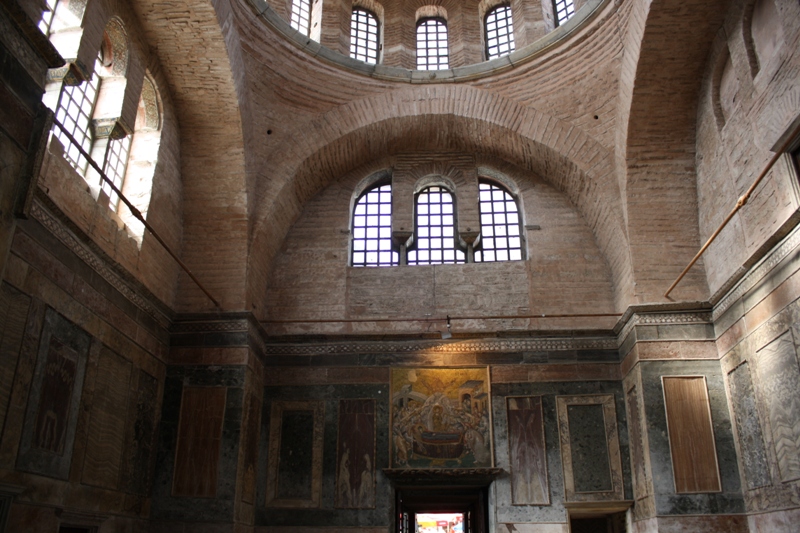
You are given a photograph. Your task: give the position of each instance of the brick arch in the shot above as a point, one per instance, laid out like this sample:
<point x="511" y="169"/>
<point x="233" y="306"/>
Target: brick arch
<point x="659" y="94"/>
<point x="440" y="118"/>
<point x="201" y="72"/>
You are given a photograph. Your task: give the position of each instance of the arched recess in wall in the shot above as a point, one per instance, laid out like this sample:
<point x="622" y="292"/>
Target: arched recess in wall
<point x="200" y="70"/>
<point x="568" y="159"/>
<point x="764" y="32"/>
<point x="660" y="188"/>
<point x="145" y="144"/>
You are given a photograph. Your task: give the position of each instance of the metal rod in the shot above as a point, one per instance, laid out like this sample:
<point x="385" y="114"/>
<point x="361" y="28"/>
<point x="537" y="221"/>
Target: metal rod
<point x="443" y="319"/>
<point x="134" y="211"/>
<point x="739" y="204"/>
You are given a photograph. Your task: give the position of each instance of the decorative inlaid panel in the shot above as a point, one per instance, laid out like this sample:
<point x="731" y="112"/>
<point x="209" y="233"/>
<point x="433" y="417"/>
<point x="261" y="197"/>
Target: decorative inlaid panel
<point x="295" y="454"/>
<point x="691" y="435"/>
<point x="779" y="383"/>
<point x="441" y="418"/>
<point x="527" y="451"/>
<point x="588" y="435"/>
<point x="753" y="454"/>
<point x="48" y="435"/>
<point x="107" y="421"/>
<point x="587" y="439"/>
<point x="355" y="456"/>
<point x="199" y="438"/>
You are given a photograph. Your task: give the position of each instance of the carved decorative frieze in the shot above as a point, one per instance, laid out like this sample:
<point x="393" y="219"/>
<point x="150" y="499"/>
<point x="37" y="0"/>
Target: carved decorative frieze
<point x="57" y="228"/>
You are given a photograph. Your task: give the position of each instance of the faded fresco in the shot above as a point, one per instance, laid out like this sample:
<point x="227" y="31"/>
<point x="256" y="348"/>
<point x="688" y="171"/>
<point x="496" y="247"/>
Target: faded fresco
<point x="441" y="418"/>
<point x="355" y="472"/>
<point x="527" y="452"/>
<point x="51" y="421"/>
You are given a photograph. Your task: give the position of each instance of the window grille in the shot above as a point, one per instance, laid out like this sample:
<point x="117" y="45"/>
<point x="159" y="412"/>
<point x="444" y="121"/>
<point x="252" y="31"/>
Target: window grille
<point x="435" y="242"/>
<point x="500" y="225"/>
<point x="499" y="32"/>
<point x="74" y="111"/>
<point x="48" y="16"/>
<point x="372" y="229"/>
<point x="432" y="51"/>
<point x="564" y="10"/>
<point x="364" y="36"/>
<point x="301" y="16"/>
<point x="116" y="162"/>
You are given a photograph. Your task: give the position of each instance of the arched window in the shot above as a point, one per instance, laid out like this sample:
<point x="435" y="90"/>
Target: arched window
<point x="364" y="36"/>
<point x="372" y="229"/>
<point x="563" y="9"/>
<point x="499" y="32"/>
<point x="501" y="235"/>
<point x="74" y="111"/>
<point x="301" y="16"/>
<point x="432" y="52"/>
<point x="435" y="238"/>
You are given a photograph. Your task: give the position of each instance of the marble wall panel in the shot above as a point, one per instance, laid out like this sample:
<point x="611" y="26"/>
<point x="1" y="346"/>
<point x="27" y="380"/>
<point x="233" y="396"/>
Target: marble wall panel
<point x="589" y="425"/>
<point x="199" y="441"/>
<point x="527" y="451"/>
<point x="638" y="466"/>
<point x="295" y="454"/>
<point x="691" y="435"/>
<point x="137" y="466"/>
<point x="14" y="307"/>
<point x="107" y="422"/>
<point x="48" y="434"/>
<point x="355" y="455"/>
<point x="587" y="438"/>
<point x="252" y="426"/>
<point x="778" y="383"/>
<point x="752" y="452"/>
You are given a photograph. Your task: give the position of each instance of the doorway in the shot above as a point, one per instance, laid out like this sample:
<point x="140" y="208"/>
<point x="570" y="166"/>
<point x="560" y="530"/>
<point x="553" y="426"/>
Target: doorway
<point x="415" y="505"/>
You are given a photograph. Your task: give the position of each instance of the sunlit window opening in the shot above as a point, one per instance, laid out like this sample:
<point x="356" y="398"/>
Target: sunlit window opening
<point x="500" y="225"/>
<point x="301" y="16"/>
<point x="372" y="229"/>
<point x="48" y="15"/>
<point x="499" y="32"/>
<point x="439" y="522"/>
<point x="435" y="242"/>
<point x="116" y="162"/>
<point x="432" y="51"/>
<point x="364" y="36"/>
<point x="564" y="10"/>
<point x="74" y="111"/>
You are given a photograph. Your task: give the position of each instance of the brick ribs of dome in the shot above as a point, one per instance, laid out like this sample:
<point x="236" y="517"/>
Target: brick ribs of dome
<point x="198" y="66"/>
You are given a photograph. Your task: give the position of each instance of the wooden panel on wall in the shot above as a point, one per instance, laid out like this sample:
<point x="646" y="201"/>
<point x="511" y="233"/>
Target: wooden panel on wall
<point x="295" y="454"/>
<point x="355" y="455"/>
<point x="107" y="421"/>
<point x="691" y="434"/>
<point x="199" y="440"/>
<point x="527" y="451"/>
<point x="779" y="383"/>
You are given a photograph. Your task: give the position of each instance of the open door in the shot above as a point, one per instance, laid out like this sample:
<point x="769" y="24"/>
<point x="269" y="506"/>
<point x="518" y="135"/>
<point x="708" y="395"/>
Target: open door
<point x="470" y="503"/>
